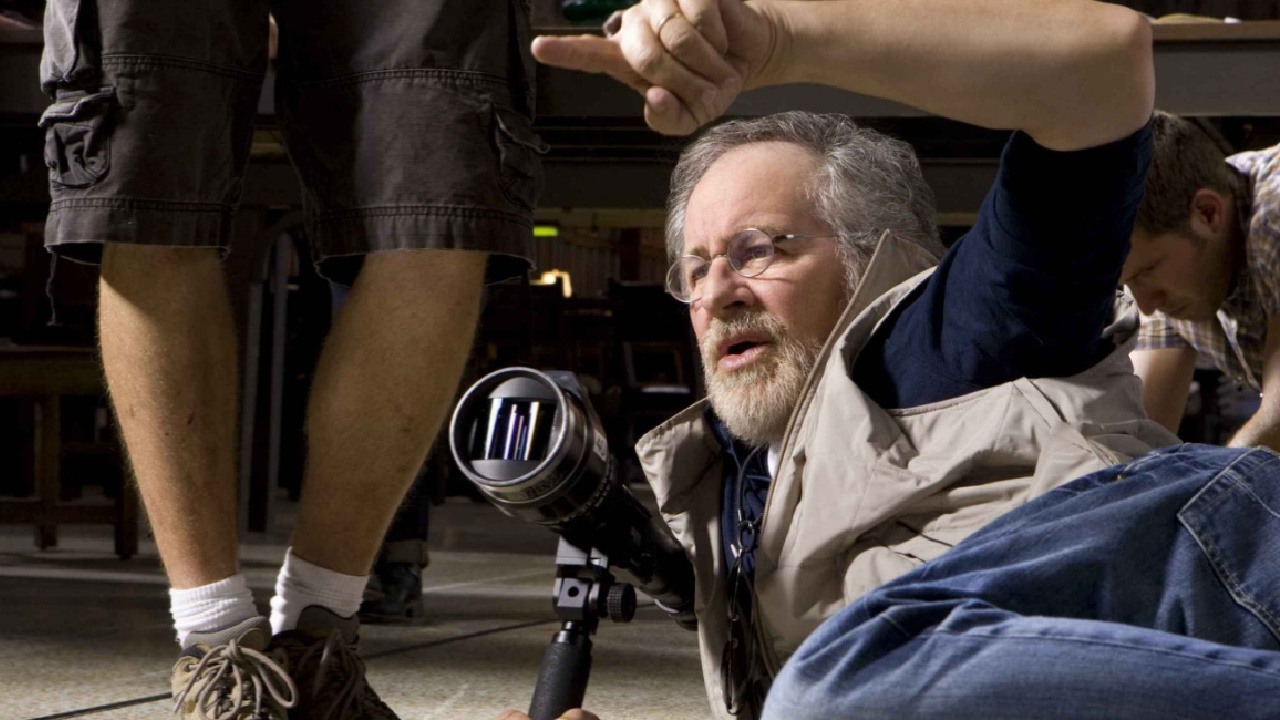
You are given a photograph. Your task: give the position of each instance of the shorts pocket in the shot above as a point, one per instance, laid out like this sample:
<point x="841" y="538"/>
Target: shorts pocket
<point x="520" y="167"/>
<point x="77" y="145"/>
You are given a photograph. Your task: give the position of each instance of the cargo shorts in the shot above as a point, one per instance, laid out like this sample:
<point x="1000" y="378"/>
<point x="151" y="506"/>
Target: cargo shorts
<point x="408" y="123"/>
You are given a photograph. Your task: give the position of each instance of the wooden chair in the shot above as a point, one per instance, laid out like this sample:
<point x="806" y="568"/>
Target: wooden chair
<point x="45" y="375"/>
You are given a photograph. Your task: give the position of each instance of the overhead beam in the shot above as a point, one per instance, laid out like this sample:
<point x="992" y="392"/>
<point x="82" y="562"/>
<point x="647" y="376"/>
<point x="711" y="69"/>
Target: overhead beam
<point x="1201" y="69"/>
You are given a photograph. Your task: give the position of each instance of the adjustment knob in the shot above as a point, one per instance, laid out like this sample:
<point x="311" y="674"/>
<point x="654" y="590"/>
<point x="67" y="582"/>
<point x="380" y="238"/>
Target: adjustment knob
<point x="621" y="603"/>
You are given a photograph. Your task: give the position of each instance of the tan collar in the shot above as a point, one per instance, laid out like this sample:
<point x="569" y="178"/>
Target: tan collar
<point x="674" y="472"/>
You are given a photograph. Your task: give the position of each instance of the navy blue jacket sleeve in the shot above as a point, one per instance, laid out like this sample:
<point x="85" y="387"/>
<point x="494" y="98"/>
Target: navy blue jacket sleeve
<point x="1028" y="290"/>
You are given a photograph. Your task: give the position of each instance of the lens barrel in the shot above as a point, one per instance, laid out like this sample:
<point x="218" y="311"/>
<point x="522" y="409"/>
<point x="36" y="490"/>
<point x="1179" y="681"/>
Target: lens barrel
<point x="532" y="443"/>
<point x="531" y="446"/>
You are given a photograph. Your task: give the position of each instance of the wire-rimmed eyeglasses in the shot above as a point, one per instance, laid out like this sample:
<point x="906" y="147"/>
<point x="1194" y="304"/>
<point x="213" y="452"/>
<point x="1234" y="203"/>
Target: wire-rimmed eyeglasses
<point x="750" y="253"/>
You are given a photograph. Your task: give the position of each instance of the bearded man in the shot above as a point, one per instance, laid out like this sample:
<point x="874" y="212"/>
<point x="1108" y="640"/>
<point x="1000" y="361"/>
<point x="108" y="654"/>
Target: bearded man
<point x="928" y="458"/>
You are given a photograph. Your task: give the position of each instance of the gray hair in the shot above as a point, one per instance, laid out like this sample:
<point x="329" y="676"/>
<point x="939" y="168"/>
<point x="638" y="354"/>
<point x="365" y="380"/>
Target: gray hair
<point x="866" y="182"/>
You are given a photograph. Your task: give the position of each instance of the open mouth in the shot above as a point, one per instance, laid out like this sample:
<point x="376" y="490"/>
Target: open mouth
<point x="739" y="352"/>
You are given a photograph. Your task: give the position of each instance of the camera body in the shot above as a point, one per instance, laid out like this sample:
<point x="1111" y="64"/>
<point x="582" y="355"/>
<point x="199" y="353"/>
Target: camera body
<point x="532" y="443"/>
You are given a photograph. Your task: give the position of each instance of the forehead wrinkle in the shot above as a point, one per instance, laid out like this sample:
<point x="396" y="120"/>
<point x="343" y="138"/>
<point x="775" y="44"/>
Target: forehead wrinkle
<point x="762" y="185"/>
<point x="761" y="209"/>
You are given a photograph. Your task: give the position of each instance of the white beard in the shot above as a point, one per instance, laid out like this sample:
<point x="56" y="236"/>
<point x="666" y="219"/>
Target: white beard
<point x="755" y="401"/>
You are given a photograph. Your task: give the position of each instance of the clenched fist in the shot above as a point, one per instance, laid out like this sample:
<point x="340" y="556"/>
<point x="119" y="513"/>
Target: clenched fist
<point x="688" y="58"/>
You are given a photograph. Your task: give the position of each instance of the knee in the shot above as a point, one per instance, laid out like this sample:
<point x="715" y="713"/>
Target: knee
<point x="461" y="269"/>
<point x="842" y="670"/>
<point x="835" y="688"/>
<point x="125" y="262"/>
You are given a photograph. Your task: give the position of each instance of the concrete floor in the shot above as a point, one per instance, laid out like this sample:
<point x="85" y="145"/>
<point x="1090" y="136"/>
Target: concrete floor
<point x="84" y="634"/>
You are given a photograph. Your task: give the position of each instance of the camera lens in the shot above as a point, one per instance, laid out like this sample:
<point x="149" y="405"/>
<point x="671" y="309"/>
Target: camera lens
<point x="531" y="442"/>
<point x="531" y="446"/>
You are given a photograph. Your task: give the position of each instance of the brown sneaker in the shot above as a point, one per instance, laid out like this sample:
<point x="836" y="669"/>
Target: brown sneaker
<point x="226" y="675"/>
<point x="323" y="657"/>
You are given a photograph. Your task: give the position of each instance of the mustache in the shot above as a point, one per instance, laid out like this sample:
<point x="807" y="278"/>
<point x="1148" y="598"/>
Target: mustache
<point x="748" y="322"/>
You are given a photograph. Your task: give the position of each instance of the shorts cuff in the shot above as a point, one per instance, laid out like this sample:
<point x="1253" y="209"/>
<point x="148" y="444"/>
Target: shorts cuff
<point x="78" y="228"/>
<point x="341" y="240"/>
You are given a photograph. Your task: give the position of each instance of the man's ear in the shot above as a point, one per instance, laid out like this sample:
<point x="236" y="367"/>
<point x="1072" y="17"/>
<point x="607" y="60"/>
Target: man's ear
<point x="1210" y="213"/>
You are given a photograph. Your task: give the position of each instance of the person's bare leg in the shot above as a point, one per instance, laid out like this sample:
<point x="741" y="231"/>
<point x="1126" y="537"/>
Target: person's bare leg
<point x="384" y="383"/>
<point x="169" y="352"/>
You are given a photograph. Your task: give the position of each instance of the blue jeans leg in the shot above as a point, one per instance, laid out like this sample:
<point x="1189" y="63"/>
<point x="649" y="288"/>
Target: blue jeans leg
<point x="1149" y="590"/>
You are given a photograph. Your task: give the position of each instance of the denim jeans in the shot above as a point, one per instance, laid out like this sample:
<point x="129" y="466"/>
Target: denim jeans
<point x="1147" y="590"/>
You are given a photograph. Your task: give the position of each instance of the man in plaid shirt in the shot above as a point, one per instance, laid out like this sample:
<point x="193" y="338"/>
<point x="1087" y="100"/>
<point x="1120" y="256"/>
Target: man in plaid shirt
<point x="1205" y="270"/>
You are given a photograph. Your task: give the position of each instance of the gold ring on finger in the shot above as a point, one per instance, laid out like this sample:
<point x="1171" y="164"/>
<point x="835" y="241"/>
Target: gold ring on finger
<point x="658" y="31"/>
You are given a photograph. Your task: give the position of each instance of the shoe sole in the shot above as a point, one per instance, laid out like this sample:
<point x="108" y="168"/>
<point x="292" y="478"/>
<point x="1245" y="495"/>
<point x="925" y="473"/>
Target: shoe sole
<point x="412" y="615"/>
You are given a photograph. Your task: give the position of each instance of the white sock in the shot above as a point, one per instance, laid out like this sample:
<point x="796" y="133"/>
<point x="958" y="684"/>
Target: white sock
<point x="301" y="585"/>
<point x="211" y="607"/>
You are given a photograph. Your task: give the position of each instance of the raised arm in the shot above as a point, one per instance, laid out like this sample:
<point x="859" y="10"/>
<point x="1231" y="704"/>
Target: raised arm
<point x="1070" y="73"/>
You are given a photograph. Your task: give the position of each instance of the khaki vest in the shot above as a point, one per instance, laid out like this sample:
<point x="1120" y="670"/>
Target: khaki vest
<point x="862" y="495"/>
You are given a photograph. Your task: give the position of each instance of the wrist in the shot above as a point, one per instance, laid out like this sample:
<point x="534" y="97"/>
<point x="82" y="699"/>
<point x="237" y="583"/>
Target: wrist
<point x="772" y="67"/>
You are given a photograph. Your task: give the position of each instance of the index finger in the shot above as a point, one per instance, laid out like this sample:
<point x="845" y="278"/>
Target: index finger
<point x="588" y="53"/>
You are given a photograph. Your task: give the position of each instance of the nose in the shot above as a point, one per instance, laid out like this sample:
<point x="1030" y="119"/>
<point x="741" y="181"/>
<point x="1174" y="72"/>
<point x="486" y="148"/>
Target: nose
<point x="723" y="289"/>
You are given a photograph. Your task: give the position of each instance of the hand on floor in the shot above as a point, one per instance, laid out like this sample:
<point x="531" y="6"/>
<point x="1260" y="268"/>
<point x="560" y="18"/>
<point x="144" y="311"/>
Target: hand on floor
<point x="575" y="714"/>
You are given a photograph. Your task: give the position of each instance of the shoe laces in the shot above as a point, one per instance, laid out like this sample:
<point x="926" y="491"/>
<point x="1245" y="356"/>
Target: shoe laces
<point x="339" y="671"/>
<point x="243" y="669"/>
